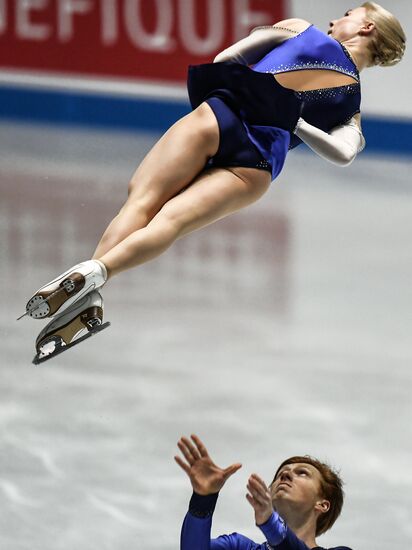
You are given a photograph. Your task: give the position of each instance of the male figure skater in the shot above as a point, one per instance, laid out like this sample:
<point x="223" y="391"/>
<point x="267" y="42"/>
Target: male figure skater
<point x="303" y="501"/>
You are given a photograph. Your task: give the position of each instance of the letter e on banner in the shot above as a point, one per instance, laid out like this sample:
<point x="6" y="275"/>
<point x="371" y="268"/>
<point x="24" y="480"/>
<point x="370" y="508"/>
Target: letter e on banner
<point x="25" y="27"/>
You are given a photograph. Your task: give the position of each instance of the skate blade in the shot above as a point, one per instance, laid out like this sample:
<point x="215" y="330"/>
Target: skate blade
<point x="21" y="316"/>
<point x="38" y="359"/>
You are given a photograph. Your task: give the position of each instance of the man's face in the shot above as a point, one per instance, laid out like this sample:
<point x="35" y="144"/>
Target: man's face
<point x="296" y="486"/>
<point x="349" y="25"/>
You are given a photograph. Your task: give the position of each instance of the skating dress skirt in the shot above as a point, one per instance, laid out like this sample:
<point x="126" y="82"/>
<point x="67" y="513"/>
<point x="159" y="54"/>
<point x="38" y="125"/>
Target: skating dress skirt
<point x="256" y="115"/>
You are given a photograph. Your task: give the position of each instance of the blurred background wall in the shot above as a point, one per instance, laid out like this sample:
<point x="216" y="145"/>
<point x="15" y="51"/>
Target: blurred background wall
<point x="122" y="63"/>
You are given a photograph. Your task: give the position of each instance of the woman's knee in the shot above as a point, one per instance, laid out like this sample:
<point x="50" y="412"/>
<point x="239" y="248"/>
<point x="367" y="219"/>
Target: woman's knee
<point x="171" y="220"/>
<point x="131" y="186"/>
<point x="136" y="187"/>
<point x="138" y="211"/>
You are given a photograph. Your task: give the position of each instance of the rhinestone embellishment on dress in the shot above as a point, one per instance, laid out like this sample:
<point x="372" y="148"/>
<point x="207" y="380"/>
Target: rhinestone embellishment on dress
<point x="263" y="164"/>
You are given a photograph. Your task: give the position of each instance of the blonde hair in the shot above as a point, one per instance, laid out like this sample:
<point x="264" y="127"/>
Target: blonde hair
<point x="388" y="44"/>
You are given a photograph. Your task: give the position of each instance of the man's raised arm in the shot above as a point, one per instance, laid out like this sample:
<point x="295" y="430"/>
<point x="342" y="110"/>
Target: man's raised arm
<point x="207" y="479"/>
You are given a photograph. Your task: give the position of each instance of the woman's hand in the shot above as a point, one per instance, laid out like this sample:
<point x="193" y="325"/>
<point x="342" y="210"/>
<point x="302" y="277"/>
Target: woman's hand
<point x="206" y="478"/>
<point x="259" y="498"/>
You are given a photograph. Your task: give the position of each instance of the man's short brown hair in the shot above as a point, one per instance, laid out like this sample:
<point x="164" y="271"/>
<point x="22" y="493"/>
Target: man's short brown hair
<point x="331" y="489"/>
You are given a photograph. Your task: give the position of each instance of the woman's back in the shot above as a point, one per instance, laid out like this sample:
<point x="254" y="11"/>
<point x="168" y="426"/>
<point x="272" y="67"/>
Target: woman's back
<point x="310" y="60"/>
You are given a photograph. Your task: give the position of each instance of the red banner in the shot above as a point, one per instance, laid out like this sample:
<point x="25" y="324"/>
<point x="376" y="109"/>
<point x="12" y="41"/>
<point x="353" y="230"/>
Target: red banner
<point x="133" y="39"/>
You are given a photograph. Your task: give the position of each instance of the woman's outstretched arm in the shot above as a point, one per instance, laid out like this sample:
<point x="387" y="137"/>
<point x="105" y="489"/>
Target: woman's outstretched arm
<point x="260" y="41"/>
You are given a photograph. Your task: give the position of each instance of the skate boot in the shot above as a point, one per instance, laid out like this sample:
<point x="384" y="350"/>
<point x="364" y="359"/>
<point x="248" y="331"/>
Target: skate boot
<point x="77" y="323"/>
<point x="65" y="290"/>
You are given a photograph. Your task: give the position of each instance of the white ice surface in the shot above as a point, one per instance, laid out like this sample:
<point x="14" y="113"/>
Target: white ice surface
<point x="284" y="329"/>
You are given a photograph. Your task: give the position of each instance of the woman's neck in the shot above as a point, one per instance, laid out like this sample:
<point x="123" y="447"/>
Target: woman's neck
<point x="358" y="52"/>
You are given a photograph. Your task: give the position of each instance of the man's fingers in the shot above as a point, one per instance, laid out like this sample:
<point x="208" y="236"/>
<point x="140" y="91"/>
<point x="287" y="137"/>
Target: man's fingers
<point x="259" y="480"/>
<point x="191" y="448"/>
<point x="185" y="451"/>
<point x="258" y="497"/>
<point x="253" y="502"/>
<point x="260" y="493"/>
<point x="182" y="464"/>
<point x="230" y="470"/>
<point x="200" y="446"/>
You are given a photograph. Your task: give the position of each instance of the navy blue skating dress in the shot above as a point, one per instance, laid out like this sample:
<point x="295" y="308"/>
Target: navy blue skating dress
<point x="256" y="115"/>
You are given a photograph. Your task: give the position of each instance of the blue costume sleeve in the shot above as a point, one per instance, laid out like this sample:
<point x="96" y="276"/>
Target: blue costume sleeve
<point x="279" y="536"/>
<point x="275" y="529"/>
<point x="197" y="525"/>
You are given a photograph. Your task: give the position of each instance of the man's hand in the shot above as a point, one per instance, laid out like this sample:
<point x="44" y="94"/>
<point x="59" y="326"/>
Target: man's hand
<point x="259" y="498"/>
<point x="206" y="478"/>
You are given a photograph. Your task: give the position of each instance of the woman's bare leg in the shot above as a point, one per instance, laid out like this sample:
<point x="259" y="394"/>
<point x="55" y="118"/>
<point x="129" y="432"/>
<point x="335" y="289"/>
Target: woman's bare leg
<point x="214" y="194"/>
<point x="168" y="168"/>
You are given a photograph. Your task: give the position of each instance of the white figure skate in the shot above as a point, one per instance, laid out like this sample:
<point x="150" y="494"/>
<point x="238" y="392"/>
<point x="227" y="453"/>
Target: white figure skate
<point x="76" y="324"/>
<point x="61" y="293"/>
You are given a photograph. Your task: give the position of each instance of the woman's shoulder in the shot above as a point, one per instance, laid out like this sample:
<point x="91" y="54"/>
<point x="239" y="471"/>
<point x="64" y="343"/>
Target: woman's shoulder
<point x="294" y="24"/>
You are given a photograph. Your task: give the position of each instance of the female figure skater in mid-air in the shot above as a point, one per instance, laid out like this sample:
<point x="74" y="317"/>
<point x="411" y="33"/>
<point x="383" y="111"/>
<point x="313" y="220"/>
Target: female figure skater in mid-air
<point x="303" y="85"/>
